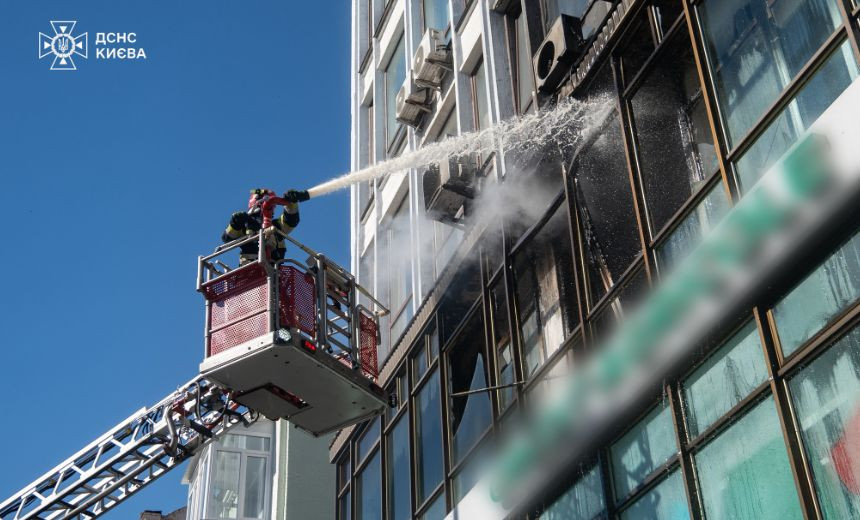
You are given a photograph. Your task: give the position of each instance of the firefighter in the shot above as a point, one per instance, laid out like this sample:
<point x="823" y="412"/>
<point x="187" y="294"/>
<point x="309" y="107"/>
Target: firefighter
<point x="249" y="223"/>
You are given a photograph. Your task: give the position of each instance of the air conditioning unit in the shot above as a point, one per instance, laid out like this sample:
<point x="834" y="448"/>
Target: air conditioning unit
<point x="447" y="186"/>
<point x="504" y="6"/>
<point x="432" y="60"/>
<point x="412" y="103"/>
<point x="560" y="48"/>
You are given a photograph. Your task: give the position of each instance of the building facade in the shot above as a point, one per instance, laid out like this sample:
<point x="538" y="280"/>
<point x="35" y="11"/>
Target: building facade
<point x="266" y="471"/>
<point x="706" y="95"/>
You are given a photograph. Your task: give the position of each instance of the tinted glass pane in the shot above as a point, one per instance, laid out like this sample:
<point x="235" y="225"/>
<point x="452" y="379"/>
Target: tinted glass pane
<point x="506" y="376"/>
<point x="369" y="496"/>
<point x="367" y="441"/>
<point x="642" y="450"/>
<point x="676" y="150"/>
<point x="470" y="414"/>
<point x="583" y="501"/>
<point x="524" y="65"/>
<point x="344" y="507"/>
<point x="343" y="471"/>
<point x="255" y="488"/>
<point x="428" y="447"/>
<point x="744" y="473"/>
<point x="637" y="49"/>
<point x="824" y="87"/>
<point x="398" y="472"/>
<point x="725" y="379"/>
<point x="436" y="511"/>
<point x="482" y="105"/>
<point x="472" y="469"/>
<point x="667" y="501"/>
<point x="395" y="74"/>
<point x="435" y="14"/>
<point x="224" y="495"/>
<point x="606" y="209"/>
<point x="826" y="395"/>
<point x="832" y="287"/>
<point x="695" y="225"/>
<point x="756" y="47"/>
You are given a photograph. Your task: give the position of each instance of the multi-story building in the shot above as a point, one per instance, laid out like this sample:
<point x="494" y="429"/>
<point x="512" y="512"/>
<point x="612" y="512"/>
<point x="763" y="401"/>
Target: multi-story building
<point x="266" y="471"/>
<point x="706" y="96"/>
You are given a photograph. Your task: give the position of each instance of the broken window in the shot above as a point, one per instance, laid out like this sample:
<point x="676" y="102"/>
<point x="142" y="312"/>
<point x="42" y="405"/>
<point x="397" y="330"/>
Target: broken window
<point x="605" y="202"/>
<point x="471" y="414"/>
<point x="545" y="289"/>
<point x="676" y="149"/>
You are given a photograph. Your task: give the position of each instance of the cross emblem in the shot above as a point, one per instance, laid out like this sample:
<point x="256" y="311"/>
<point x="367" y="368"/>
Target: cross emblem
<point x="63" y="45"/>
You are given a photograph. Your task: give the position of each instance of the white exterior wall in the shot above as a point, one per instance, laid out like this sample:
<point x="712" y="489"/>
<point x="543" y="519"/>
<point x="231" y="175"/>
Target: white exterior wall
<point x="481" y="35"/>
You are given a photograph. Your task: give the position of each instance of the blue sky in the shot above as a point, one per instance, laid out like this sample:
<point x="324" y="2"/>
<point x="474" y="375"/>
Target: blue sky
<point x="117" y="175"/>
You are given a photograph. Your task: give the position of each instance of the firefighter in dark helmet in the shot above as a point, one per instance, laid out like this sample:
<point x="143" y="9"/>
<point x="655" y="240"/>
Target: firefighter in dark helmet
<point x="249" y="223"/>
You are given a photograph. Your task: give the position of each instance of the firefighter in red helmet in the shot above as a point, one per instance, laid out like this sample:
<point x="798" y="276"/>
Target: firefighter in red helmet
<point x="249" y="223"/>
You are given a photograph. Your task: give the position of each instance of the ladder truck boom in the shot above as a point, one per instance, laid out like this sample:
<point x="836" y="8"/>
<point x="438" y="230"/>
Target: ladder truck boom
<point x="129" y="456"/>
<point x="287" y="339"/>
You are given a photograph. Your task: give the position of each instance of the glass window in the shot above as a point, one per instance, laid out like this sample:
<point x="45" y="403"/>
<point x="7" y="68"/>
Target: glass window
<point x="368" y="497"/>
<point x="523" y="61"/>
<point x="642" y="450"/>
<point x="224" y="495"/>
<point x="606" y="209"/>
<point x="725" y="379"/>
<point x="467" y="476"/>
<point x="255" y="488"/>
<point x="676" y="149"/>
<point x="365" y="189"/>
<point x="692" y="228"/>
<point x="436" y="511"/>
<point x="399" y="257"/>
<point x="367" y="441"/>
<point x="344" y="469"/>
<point x="666" y="12"/>
<point x="245" y="442"/>
<point x="583" y="501"/>
<point x="395" y="75"/>
<point x="501" y="339"/>
<point x="826" y="395"/>
<point x="365" y="274"/>
<point x="818" y="299"/>
<point x="667" y="501"/>
<point x="638" y="47"/>
<point x="605" y="322"/>
<point x="756" y="47"/>
<point x="397" y="446"/>
<point x="435" y="14"/>
<point x="823" y="88"/>
<point x="428" y="445"/>
<point x="546" y="293"/>
<point x="482" y="104"/>
<point x="744" y="472"/>
<point x="344" y="507"/>
<point x="470" y="414"/>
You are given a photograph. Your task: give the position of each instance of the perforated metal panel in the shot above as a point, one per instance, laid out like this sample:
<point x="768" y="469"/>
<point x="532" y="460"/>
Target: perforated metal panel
<point x="298" y="299"/>
<point x="237" y="307"/>
<point x="367" y="346"/>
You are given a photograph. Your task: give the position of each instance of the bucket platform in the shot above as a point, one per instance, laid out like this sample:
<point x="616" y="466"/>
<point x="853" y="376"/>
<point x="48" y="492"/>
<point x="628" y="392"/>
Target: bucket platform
<point x="289" y="339"/>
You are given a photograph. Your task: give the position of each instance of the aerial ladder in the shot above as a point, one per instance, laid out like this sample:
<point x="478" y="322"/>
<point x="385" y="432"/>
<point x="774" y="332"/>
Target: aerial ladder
<point x="283" y="339"/>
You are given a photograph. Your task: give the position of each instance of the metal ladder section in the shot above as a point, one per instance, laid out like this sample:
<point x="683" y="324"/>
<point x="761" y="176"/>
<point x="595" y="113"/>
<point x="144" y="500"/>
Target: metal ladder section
<point x="130" y="456"/>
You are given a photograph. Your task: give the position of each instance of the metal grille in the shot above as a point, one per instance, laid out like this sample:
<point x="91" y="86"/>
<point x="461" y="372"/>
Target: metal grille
<point x="235" y="281"/>
<point x="238" y="300"/>
<point x="238" y="333"/>
<point x="367" y="345"/>
<point x="298" y="299"/>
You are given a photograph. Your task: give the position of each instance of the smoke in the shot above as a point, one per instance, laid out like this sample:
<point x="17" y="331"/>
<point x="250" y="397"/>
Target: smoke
<point x="566" y="124"/>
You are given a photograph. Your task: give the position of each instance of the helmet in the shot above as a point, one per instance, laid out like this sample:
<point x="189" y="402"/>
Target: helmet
<point x="258" y="196"/>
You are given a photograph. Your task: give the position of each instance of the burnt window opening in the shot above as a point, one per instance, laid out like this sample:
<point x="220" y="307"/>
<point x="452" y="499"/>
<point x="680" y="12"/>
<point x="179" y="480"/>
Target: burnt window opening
<point x="606" y="212"/>
<point x="676" y="149"/>
<point x="471" y="414"/>
<point x="545" y="291"/>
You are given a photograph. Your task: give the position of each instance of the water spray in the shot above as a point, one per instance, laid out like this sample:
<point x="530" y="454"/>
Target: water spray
<point x="566" y="124"/>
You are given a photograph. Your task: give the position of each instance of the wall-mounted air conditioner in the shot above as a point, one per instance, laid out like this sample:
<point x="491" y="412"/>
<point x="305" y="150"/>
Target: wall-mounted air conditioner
<point x="560" y="48"/>
<point x="432" y="60"/>
<point x="447" y="186"/>
<point x="504" y="6"/>
<point x="412" y="103"/>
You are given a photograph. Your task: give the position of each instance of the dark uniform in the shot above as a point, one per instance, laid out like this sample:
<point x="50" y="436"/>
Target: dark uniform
<point x="244" y="224"/>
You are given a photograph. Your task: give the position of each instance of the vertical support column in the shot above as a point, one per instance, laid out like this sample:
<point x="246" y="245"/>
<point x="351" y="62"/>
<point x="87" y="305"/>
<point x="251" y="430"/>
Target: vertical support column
<point x="322" y="305"/>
